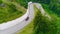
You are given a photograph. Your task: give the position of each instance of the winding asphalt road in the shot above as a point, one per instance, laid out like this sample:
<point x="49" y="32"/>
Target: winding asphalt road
<point x="21" y="25"/>
<point x="31" y="10"/>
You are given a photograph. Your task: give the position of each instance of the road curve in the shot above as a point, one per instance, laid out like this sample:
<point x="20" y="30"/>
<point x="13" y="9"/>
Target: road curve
<point x="21" y="25"/>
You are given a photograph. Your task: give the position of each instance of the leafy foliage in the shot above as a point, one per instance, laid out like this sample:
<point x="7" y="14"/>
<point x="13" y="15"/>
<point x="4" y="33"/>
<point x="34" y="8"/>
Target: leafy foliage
<point x="55" y="6"/>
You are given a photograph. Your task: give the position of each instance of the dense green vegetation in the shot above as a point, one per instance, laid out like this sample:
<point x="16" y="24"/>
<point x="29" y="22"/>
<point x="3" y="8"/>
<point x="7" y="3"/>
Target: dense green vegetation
<point x="42" y="25"/>
<point x="53" y="15"/>
<point x="9" y="11"/>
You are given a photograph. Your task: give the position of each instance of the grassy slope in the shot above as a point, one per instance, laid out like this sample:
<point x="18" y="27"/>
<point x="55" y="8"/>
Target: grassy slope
<point x="10" y="11"/>
<point x="53" y="15"/>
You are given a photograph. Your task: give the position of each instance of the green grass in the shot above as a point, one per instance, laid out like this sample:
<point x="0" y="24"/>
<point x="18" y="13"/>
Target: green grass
<point x="10" y="11"/>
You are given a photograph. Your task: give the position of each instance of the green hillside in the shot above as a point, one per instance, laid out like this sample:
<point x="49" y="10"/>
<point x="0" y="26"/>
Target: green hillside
<point x="10" y="10"/>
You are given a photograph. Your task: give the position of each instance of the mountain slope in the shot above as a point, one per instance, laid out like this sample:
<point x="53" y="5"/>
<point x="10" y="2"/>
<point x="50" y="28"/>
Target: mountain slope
<point x="10" y="10"/>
